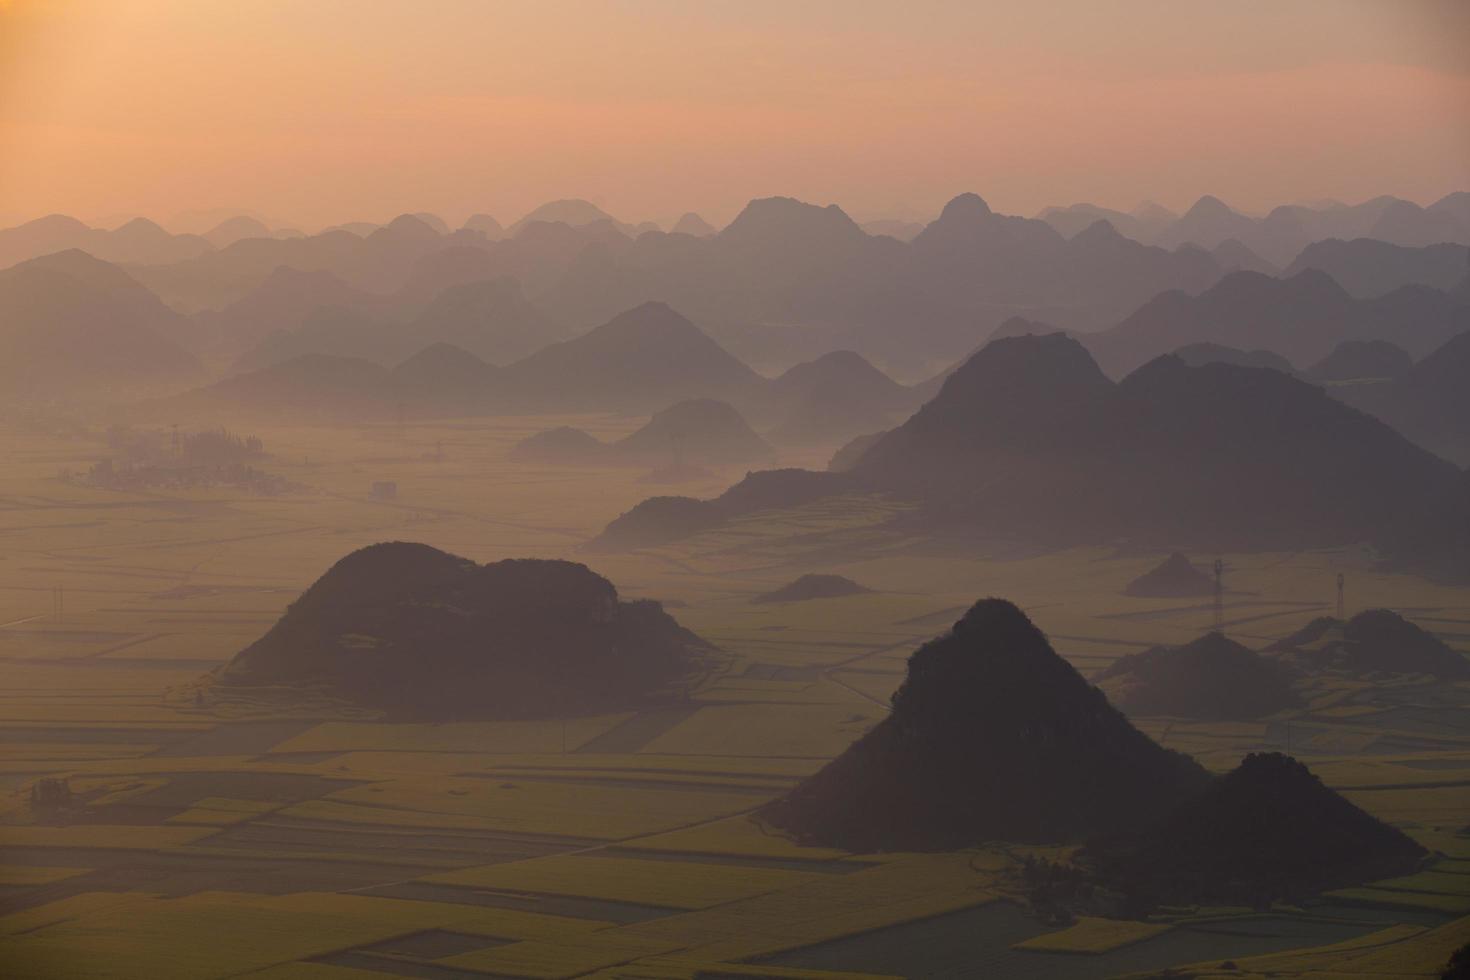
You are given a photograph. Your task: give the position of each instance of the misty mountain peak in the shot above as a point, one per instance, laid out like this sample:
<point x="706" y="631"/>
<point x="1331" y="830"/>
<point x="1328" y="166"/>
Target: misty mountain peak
<point x="837" y="360"/>
<point x="650" y="321"/>
<point x="441" y="355"/>
<point x="486" y="224"/>
<point x="55" y="223"/>
<point x="768" y="217"/>
<point x="1099" y="232"/>
<point x="1210" y="206"/>
<point x="75" y="262"/>
<point x="140" y="226"/>
<point x="1152" y="211"/>
<point x="1034" y="362"/>
<point x="409" y="226"/>
<point x="966" y="206"/>
<point x="692" y="224"/>
<point x="572" y="211"/>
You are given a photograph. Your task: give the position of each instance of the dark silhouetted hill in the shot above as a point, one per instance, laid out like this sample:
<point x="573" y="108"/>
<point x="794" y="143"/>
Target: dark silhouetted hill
<point x="813" y="586"/>
<point x="1375" y="641"/>
<point x="659" y="520"/>
<point x="1174" y="578"/>
<point x="422" y="634"/>
<point x="1029" y="439"/>
<point x="1000" y="403"/>
<point x="1016" y="326"/>
<point x="700" y="431"/>
<point x="1268" y="830"/>
<point x="1212" y="678"/>
<point x="992" y="736"/>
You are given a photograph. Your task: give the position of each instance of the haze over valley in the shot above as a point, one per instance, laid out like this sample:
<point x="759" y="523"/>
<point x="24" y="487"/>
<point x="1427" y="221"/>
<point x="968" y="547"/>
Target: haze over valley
<point x="658" y="491"/>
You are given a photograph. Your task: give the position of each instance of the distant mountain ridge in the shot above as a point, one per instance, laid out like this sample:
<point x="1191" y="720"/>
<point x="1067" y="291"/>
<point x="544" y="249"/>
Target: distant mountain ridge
<point x="1029" y="435"/>
<point x="75" y="328"/>
<point x="1302" y="318"/>
<point x="1428" y="401"/>
<point x="641" y="361"/>
<point x="1281" y="235"/>
<point x="1029" y="441"/>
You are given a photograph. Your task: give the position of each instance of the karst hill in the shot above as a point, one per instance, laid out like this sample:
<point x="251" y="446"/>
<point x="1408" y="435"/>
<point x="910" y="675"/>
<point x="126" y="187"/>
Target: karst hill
<point x="1174" y="578"/>
<point x="992" y="736"/>
<point x="1211" y="678"/>
<point x="419" y="633"/>
<point x="1267" y="830"/>
<point x="1374" y="641"/>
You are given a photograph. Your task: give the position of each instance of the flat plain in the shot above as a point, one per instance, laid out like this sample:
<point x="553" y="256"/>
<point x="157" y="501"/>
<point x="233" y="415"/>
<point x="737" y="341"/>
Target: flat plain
<point x="239" y="839"/>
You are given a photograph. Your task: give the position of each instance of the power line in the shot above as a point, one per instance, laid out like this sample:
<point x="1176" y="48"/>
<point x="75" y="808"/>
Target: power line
<point x="1219" y="595"/>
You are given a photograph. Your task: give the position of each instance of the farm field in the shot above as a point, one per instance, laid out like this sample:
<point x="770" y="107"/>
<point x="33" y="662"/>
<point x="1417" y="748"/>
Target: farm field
<point x="323" y="842"/>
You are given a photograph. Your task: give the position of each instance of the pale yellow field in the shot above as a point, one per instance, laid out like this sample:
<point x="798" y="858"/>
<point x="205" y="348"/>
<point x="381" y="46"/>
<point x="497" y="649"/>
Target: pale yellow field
<point x="673" y="884"/>
<point x="160" y="588"/>
<point x="1089" y="935"/>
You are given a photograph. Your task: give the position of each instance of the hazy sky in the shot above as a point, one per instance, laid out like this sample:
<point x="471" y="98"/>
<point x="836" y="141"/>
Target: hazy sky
<point x="310" y="112"/>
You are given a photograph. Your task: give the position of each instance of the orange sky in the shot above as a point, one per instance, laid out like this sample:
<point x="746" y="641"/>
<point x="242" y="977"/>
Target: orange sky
<point x="310" y="112"/>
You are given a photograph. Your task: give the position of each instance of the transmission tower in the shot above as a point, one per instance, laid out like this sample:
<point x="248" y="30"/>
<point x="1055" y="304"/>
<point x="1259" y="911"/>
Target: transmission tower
<point x="1341" y="605"/>
<point x="1219" y="595"/>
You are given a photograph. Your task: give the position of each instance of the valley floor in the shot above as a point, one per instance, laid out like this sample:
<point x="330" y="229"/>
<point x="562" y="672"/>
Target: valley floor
<point x="234" y="839"/>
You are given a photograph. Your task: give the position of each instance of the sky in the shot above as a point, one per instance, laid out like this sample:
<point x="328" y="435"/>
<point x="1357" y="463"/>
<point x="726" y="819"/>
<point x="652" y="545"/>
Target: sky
<point x="316" y="112"/>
